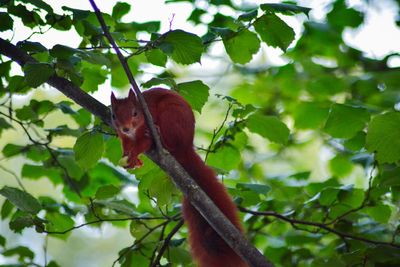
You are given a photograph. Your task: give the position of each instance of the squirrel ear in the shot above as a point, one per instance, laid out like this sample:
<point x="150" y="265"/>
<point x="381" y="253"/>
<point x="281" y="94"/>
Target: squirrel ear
<point x="113" y="99"/>
<point x="132" y="95"/>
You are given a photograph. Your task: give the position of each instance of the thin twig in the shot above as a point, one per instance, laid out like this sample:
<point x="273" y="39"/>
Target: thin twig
<point x="166" y="243"/>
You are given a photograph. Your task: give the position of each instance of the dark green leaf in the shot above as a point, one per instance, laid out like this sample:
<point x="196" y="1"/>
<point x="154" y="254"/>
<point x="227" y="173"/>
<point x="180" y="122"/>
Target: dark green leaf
<point x="195" y="93"/>
<point x="21" y="199"/>
<point x="40" y="4"/>
<point x="37" y="73"/>
<point x="257" y="188"/>
<point x="248" y="16"/>
<point x="6" y="209"/>
<point x="157" y="81"/>
<point x="28" y="46"/>
<point x="269" y="127"/>
<point x="383" y="137"/>
<point x="287" y="9"/>
<point x="88" y="149"/>
<point x="7" y="22"/>
<point x="242" y="46"/>
<point x="2" y="241"/>
<point x="274" y="31"/>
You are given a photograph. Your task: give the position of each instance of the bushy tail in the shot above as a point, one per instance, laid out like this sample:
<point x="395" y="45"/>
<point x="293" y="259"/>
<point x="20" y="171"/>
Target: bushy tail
<point x="207" y="247"/>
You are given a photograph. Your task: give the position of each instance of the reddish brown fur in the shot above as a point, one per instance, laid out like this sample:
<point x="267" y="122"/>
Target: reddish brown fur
<point x="175" y="121"/>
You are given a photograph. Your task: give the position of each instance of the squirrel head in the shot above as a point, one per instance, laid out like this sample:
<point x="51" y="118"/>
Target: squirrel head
<point x="127" y="115"/>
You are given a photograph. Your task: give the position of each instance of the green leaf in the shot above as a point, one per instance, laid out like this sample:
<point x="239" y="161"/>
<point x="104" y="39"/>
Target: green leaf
<point x="257" y="188"/>
<point x="36" y="172"/>
<point x="157" y="81"/>
<point x="40" y="4"/>
<point x="345" y="121"/>
<point x="340" y="165"/>
<point x="21" y="221"/>
<point x="106" y="191"/>
<point x="195" y="93"/>
<point x="20" y="251"/>
<point x="380" y="213"/>
<point x="383" y="137"/>
<point x="156" y="57"/>
<point x="73" y="169"/>
<point x="357" y="142"/>
<point x="183" y="47"/>
<point x="6" y="209"/>
<point x="58" y="222"/>
<point x="11" y="150"/>
<point x="287" y="9"/>
<point x="28" y="46"/>
<point x="242" y="46"/>
<point x="248" y="16"/>
<point x="37" y="73"/>
<point x="7" y="22"/>
<point x="21" y="199"/>
<point x="328" y="196"/>
<point x="269" y="127"/>
<point x="2" y="241"/>
<point x="274" y="31"/>
<point x="226" y="158"/>
<point x="88" y="149"/>
<point x="310" y="115"/>
<point x="120" y="9"/>
<point x="4" y="125"/>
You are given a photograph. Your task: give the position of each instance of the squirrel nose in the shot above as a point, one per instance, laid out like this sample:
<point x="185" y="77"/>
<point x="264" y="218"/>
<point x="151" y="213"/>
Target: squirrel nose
<point x="125" y="129"/>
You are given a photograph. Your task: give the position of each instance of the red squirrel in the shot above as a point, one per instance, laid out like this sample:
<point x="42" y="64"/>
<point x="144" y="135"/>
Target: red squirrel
<point x="175" y="123"/>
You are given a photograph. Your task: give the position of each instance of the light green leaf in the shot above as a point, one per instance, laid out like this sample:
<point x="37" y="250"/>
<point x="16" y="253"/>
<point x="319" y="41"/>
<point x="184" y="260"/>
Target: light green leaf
<point x="88" y="149"/>
<point x="37" y="73"/>
<point x="156" y="57"/>
<point x="106" y="191"/>
<point x="183" y="47"/>
<point x="242" y="46"/>
<point x="226" y="158"/>
<point x="345" y="121"/>
<point x="383" y="137"/>
<point x="21" y="199"/>
<point x="380" y="213"/>
<point x="194" y="92"/>
<point x="269" y="127"/>
<point x="274" y="31"/>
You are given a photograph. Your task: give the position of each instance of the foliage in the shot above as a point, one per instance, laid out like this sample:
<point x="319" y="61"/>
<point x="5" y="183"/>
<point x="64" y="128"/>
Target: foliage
<point x="328" y="98"/>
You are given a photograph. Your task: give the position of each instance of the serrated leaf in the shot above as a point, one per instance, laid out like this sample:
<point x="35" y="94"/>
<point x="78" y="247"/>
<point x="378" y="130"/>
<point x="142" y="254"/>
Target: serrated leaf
<point x="183" y="47"/>
<point x="195" y="93"/>
<point x="274" y="31"/>
<point x="242" y="46"/>
<point x="345" y="121"/>
<point x="21" y="199"/>
<point x="269" y="127"/>
<point x="37" y="73"/>
<point x="58" y="222"/>
<point x="383" y="137"/>
<point x="88" y="149"/>
<point x="287" y="9"/>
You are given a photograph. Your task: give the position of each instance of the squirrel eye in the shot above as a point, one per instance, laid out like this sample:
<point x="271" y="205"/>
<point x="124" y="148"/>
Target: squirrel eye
<point x="135" y="114"/>
<point x="113" y="116"/>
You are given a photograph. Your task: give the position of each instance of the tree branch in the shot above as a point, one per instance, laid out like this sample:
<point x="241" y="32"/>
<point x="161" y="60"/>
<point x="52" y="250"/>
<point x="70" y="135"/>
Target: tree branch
<point x="233" y="237"/>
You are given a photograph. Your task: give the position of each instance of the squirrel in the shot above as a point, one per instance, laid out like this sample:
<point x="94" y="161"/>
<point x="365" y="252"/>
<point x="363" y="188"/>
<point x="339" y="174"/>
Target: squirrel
<point x="174" y="120"/>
